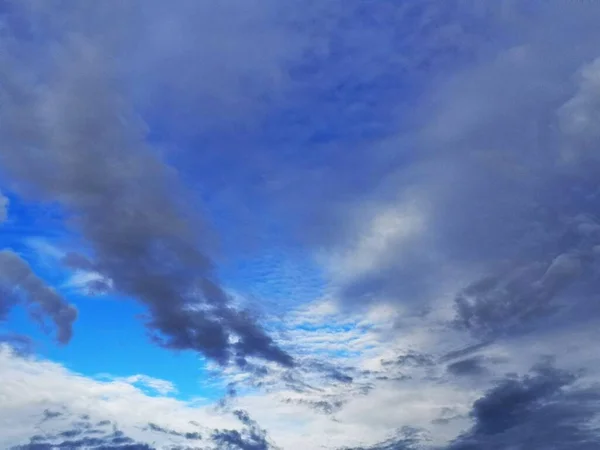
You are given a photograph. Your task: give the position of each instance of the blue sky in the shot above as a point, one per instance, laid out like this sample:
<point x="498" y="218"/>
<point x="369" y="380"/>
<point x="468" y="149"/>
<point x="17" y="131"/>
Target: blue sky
<point x="266" y="225"/>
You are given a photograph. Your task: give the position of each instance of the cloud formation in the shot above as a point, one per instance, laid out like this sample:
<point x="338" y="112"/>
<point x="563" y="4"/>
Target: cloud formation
<point x="544" y="409"/>
<point x="427" y="171"/>
<point x="19" y="284"/>
<point x="118" y="194"/>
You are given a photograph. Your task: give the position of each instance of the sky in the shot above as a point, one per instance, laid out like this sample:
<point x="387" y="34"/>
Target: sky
<point x="299" y="225"/>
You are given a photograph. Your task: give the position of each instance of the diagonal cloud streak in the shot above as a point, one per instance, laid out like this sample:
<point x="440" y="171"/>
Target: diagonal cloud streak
<point x="74" y="141"/>
<point x="19" y="283"/>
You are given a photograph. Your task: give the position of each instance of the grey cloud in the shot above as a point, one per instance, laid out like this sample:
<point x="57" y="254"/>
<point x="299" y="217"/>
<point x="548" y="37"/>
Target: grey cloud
<point x="547" y="408"/>
<point x="466" y="351"/>
<point x="3" y="207"/>
<point x="251" y="438"/>
<point x="316" y="150"/>
<point x="20" y="284"/>
<point x="502" y="202"/>
<point x="190" y="435"/>
<point x="49" y="414"/>
<point x="20" y="344"/>
<point x="469" y="366"/>
<point x="118" y="194"/>
<point x="321" y="406"/>
<point x="494" y="304"/>
<point x="332" y="371"/>
<point x="81" y="434"/>
<point x="411" y="358"/>
<point x="544" y="409"/>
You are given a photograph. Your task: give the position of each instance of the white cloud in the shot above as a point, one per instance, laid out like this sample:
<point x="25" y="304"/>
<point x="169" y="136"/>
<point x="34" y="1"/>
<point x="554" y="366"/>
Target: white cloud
<point x="383" y="230"/>
<point x="31" y="385"/>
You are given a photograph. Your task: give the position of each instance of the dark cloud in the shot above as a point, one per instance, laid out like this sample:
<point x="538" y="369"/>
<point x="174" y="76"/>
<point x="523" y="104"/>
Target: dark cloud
<point x="116" y="192"/>
<point x="83" y="438"/>
<point x="252" y="437"/>
<point x="545" y="409"/>
<point x="191" y="435"/>
<point x="467" y="351"/>
<point x="49" y="414"/>
<point x="18" y="283"/>
<point x="72" y="432"/>
<point x="321" y="406"/>
<point x="329" y="370"/>
<point x="469" y="366"/>
<point x="411" y="359"/>
<point x="395" y="369"/>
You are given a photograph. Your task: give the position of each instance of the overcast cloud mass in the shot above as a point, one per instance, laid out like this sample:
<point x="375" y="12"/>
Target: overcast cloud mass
<point x="298" y="225"/>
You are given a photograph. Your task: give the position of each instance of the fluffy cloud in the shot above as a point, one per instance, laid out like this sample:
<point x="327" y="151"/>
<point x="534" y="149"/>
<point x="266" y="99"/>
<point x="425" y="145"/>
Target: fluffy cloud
<point x="47" y="400"/>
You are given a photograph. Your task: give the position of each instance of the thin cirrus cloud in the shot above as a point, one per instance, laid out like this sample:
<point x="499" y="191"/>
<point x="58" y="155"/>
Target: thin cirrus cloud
<point x="435" y="164"/>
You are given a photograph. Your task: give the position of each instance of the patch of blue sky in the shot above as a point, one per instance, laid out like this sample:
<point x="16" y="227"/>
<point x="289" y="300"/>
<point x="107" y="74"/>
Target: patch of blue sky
<point x="109" y="339"/>
<point x="26" y="219"/>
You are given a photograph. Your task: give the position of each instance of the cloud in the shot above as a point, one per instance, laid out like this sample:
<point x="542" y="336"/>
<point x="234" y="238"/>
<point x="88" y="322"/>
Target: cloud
<point x="68" y="410"/>
<point x="4" y="202"/>
<point x="475" y="198"/>
<point x="20" y="344"/>
<point x="20" y="284"/>
<point x="118" y="194"/>
<point x="83" y="436"/>
<point x="61" y="405"/>
<point x="254" y="438"/>
<point x="545" y="408"/>
<point x="406" y="439"/>
<point x="469" y="366"/>
<point x="437" y="160"/>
